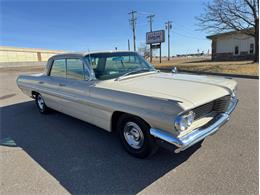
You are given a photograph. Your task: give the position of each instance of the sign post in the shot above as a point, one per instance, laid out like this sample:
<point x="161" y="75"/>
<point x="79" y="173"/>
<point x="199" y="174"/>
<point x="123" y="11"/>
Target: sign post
<point x="151" y="53"/>
<point x="155" y="38"/>
<point x="160" y="53"/>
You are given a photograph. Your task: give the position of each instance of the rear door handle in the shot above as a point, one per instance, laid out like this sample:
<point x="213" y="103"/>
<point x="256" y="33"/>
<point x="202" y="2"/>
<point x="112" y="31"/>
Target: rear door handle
<point x="61" y="85"/>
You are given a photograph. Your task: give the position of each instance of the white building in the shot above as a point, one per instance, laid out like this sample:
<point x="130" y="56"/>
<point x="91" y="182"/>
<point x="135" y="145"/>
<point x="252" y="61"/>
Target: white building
<point x="235" y="45"/>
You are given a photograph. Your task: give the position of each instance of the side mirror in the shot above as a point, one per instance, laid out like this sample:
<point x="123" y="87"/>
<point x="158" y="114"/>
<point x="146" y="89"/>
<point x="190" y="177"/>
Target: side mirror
<point x="174" y="70"/>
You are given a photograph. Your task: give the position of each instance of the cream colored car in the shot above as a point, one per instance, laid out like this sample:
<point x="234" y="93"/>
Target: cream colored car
<point x="121" y="92"/>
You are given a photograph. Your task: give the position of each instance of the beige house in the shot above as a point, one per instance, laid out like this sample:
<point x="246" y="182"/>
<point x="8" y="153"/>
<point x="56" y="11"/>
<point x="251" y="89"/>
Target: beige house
<point x="234" y="45"/>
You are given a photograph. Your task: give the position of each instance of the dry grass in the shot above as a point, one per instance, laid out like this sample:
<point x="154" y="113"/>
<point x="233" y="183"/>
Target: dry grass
<point x="206" y="65"/>
<point x="192" y="64"/>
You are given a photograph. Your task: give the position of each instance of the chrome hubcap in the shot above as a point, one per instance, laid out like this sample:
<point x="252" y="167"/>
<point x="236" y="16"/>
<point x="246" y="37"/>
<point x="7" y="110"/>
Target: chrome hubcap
<point x="40" y="102"/>
<point x="133" y="135"/>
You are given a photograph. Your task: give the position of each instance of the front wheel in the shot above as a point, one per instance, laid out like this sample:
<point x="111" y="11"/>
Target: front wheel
<point x="41" y="104"/>
<point x="135" y="136"/>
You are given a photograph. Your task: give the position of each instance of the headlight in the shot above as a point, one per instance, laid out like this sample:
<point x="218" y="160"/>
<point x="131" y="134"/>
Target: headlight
<point x="182" y="122"/>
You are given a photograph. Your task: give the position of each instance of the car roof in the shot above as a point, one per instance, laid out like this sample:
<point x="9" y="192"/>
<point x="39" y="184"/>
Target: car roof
<point x="83" y="54"/>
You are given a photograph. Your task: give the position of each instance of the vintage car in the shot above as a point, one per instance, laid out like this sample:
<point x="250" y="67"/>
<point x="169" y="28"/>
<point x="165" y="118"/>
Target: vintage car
<point x="119" y="91"/>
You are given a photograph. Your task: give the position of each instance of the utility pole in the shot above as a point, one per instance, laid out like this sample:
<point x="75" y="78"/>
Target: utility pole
<point x="168" y="26"/>
<point x="150" y="20"/>
<point x="133" y="25"/>
<point x="128" y="45"/>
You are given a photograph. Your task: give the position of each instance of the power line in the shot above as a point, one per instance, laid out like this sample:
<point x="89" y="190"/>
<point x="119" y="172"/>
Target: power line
<point x="189" y="37"/>
<point x="188" y="29"/>
<point x="187" y="32"/>
<point x="133" y="25"/>
<point x="144" y="13"/>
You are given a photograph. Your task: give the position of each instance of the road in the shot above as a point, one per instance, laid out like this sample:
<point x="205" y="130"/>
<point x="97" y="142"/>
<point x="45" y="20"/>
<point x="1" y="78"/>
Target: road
<point x="56" y="153"/>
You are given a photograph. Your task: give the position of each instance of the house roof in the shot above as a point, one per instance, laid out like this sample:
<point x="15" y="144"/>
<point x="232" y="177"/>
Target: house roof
<point x="229" y="33"/>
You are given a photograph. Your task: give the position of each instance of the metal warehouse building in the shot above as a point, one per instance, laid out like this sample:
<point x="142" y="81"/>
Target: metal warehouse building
<point x="234" y="45"/>
<point x="14" y="54"/>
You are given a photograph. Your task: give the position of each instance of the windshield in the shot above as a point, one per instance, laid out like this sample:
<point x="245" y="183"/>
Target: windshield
<point x="113" y="65"/>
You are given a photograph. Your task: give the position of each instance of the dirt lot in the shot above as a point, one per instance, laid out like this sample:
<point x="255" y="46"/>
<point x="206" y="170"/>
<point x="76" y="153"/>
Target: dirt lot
<point x="206" y="65"/>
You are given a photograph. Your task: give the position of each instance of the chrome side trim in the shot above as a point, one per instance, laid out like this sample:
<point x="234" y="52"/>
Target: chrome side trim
<point x="198" y="134"/>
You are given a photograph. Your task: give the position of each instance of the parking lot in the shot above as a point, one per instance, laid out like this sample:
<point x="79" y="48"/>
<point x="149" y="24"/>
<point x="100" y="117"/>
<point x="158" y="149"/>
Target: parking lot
<point x="56" y="153"/>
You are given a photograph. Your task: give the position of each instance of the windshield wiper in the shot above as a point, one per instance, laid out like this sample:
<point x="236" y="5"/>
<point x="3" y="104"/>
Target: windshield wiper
<point x="134" y="72"/>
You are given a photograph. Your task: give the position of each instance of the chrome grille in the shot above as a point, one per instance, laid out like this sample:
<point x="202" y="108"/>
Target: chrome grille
<point x="203" y="110"/>
<point x="218" y="105"/>
<point x="221" y="104"/>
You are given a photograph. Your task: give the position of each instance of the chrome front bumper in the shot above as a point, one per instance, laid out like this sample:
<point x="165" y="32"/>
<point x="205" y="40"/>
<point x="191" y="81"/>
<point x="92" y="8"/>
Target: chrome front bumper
<point x="198" y="134"/>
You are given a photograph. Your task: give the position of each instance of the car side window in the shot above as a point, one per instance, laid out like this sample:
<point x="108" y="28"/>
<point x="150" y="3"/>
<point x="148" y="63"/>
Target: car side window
<point x="58" y="68"/>
<point x="75" y="69"/>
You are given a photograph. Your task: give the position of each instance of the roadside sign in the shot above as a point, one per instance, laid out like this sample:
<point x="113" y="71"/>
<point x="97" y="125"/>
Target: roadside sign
<point x="155" y="37"/>
<point x="156" y="46"/>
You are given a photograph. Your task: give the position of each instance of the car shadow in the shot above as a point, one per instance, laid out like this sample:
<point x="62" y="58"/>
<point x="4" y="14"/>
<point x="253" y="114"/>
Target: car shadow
<point x="82" y="157"/>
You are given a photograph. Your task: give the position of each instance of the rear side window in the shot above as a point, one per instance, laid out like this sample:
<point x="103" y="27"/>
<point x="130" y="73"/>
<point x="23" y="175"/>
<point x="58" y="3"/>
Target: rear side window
<point x="59" y="68"/>
<point x="75" y="69"/>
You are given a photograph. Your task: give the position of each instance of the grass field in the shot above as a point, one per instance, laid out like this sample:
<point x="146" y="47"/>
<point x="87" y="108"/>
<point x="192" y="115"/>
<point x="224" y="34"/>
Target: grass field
<point x="206" y="65"/>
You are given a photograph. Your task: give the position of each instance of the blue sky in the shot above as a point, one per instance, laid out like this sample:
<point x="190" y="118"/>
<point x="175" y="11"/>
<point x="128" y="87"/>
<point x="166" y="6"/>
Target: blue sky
<point x="99" y="25"/>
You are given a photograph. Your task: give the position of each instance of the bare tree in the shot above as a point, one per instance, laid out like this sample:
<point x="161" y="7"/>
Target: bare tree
<point x="225" y="15"/>
<point x="144" y="50"/>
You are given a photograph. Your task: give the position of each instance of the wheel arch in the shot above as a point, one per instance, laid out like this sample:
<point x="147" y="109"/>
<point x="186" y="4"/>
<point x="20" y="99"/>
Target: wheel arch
<point x="34" y="93"/>
<point x="117" y="114"/>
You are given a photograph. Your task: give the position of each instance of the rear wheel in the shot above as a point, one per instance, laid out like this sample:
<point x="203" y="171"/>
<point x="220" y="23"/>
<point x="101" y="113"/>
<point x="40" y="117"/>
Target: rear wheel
<point x="135" y="136"/>
<point x="41" y="104"/>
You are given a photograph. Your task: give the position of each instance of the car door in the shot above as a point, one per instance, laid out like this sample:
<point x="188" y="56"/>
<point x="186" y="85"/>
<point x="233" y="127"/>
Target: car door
<point x="74" y="90"/>
<point x="51" y="92"/>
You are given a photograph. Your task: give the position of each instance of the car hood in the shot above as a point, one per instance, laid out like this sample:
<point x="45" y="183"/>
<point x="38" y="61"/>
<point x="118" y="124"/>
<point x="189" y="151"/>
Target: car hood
<point x="190" y="90"/>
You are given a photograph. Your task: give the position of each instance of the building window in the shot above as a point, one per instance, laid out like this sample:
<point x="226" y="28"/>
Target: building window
<point x="236" y="50"/>
<point x="251" y="51"/>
